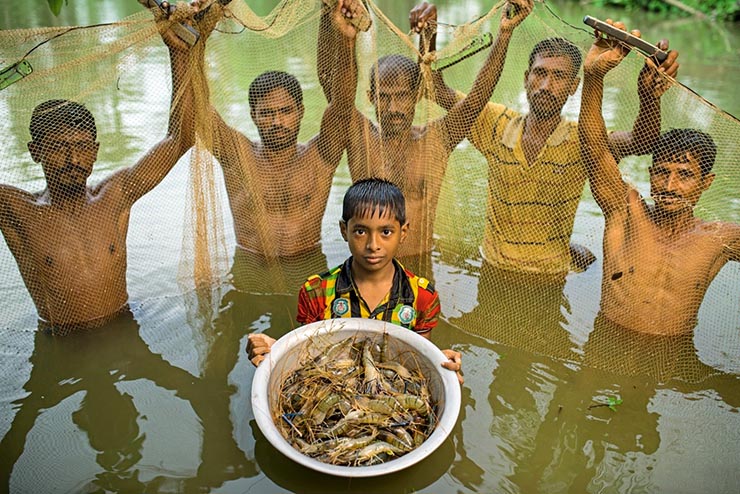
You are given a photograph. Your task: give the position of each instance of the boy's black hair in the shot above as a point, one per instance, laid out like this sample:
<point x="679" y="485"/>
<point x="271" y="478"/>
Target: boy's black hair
<point x="675" y="143"/>
<point x="372" y="195"/>
<point x="268" y="81"/>
<point x="54" y="113"/>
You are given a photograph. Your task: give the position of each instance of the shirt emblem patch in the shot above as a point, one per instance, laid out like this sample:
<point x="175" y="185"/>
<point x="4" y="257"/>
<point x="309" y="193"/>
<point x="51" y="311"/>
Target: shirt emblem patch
<point x="340" y="306"/>
<point x="406" y="314"/>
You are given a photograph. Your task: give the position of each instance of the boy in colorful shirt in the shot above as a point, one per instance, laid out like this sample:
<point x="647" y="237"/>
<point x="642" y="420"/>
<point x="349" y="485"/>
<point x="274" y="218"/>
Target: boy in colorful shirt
<point x="371" y="283"/>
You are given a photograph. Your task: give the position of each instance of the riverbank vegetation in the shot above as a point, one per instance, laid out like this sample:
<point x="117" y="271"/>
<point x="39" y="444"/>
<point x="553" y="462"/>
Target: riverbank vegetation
<point x="715" y="9"/>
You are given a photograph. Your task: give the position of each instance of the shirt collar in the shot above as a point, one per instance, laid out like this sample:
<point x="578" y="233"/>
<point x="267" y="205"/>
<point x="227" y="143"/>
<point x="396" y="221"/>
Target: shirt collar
<point x="514" y="129"/>
<point x="401" y="290"/>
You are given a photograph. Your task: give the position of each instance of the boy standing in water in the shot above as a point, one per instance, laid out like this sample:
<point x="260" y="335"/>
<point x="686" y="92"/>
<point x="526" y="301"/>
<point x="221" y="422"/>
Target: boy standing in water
<point x="371" y="283"/>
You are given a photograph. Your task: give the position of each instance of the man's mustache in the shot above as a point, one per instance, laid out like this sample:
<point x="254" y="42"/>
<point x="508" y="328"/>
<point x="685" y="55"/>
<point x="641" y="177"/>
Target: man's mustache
<point x="544" y="94"/>
<point x="71" y="168"/>
<point x="671" y="195"/>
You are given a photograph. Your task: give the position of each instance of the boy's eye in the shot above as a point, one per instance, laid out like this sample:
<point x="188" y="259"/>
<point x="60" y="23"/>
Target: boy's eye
<point x="387" y="232"/>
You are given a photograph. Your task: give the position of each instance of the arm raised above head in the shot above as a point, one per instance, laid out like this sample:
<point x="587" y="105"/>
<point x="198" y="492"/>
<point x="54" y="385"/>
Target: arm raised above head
<point x="462" y="115"/>
<point x="607" y="186"/>
<point x="333" y="135"/>
<point x="652" y="83"/>
<point x="151" y="168"/>
<point x="423" y="20"/>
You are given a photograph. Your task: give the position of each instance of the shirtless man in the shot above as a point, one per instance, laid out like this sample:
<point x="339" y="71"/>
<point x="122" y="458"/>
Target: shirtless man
<point x="658" y="259"/>
<point x="69" y="240"/>
<point x="277" y="187"/>
<point x="414" y="157"/>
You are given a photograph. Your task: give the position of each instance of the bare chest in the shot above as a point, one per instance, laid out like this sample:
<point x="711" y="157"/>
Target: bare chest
<point x="417" y="167"/>
<point x="685" y="261"/>
<point x="79" y="240"/>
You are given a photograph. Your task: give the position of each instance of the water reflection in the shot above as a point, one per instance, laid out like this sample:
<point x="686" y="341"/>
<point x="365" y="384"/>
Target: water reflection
<point x="107" y="366"/>
<point x="227" y="454"/>
<point x="520" y="309"/>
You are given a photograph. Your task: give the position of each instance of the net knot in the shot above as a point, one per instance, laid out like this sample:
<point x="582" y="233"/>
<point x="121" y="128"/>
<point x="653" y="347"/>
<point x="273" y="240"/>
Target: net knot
<point x="429" y="58"/>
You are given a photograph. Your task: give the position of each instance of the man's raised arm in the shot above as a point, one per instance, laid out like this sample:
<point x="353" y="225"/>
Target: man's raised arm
<point x="151" y="168"/>
<point x="423" y="20"/>
<point x="326" y="46"/>
<point x="333" y="134"/>
<point x="650" y="87"/>
<point x="607" y="186"/>
<point x="461" y="117"/>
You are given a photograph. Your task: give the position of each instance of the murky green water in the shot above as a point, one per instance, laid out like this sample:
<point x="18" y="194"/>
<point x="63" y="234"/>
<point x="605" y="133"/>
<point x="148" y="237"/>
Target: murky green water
<point x="160" y="402"/>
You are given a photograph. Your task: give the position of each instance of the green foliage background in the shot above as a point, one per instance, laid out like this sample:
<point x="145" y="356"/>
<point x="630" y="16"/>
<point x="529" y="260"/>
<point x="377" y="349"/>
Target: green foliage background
<point x="56" y="5"/>
<point x="719" y="9"/>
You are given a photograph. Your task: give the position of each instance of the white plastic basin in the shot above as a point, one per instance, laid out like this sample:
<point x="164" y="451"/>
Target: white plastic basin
<point x="286" y="355"/>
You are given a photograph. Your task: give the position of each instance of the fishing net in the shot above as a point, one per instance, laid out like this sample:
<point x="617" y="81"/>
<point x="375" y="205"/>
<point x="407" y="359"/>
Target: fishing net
<point x="507" y="244"/>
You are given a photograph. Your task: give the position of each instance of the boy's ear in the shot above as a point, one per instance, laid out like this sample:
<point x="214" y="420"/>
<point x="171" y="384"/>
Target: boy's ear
<point x="404" y="231"/>
<point x="343" y="229"/>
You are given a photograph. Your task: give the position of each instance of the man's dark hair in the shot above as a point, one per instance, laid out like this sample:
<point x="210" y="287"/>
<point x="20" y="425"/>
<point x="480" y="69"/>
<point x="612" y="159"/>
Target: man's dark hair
<point x="557" y="47"/>
<point x="268" y="81"/>
<point x="396" y="65"/>
<point x="674" y="144"/>
<point x="55" y="113"/>
<point x="371" y="196"/>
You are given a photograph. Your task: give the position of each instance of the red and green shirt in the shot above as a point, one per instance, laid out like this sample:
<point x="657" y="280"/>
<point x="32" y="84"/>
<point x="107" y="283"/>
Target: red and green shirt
<point x="411" y="302"/>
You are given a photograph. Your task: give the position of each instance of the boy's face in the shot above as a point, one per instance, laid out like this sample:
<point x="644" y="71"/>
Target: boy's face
<point x="373" y="240"/>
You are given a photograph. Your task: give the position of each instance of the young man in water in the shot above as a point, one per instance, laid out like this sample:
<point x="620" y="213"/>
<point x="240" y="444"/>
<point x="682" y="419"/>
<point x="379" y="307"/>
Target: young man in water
<point x="535" y="173"/>
<point x="371" y="283"/>
<point x="277" y="187"/>
<point x="69" y="240"/>
<point x="415" y="157"/>
<point x="658" y="259"/>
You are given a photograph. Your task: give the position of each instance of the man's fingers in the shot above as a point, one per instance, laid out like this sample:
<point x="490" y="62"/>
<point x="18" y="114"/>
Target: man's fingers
<point x="422" y="16"/>
<point x="670" y="65"/>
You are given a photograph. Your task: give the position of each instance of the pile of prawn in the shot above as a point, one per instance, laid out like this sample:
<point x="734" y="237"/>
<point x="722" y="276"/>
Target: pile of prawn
<point x="353" y="406"/>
